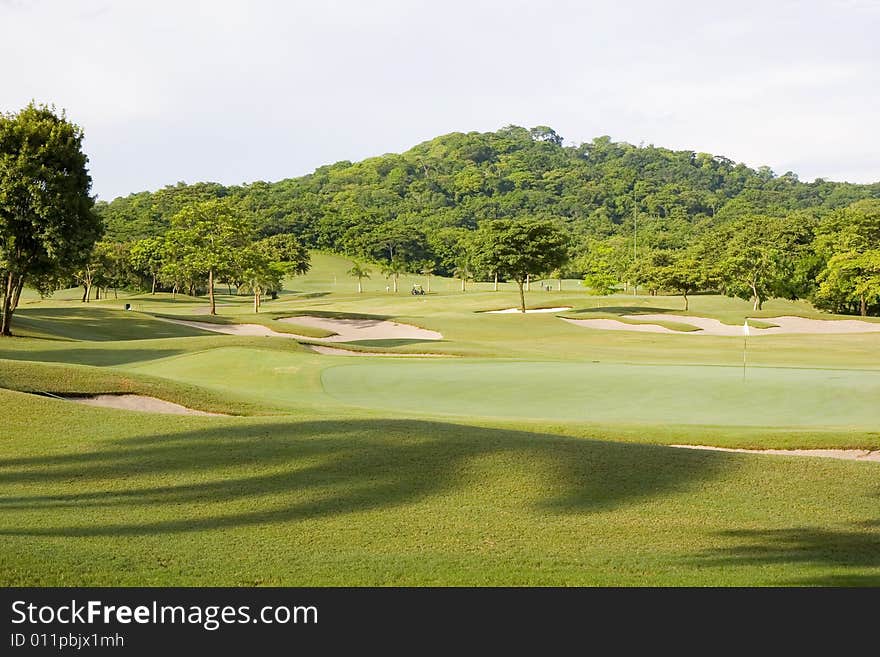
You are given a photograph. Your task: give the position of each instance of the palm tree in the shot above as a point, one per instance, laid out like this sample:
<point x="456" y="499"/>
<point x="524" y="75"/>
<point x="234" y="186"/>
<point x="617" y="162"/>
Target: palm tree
<point x="463" y="272"/>
<point x="426" y="271"/>
<point x="359" y="272"/>
<point x="394" y="269"/>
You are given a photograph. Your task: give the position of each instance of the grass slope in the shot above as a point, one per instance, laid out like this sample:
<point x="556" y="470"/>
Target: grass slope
<point x="373" y="501"/>
<point x="534" y="460"/>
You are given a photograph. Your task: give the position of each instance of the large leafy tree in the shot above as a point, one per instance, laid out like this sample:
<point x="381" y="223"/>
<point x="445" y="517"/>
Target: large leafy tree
<point x="849" y="241"/>
<point x="521" y="248"/>
<point x="207" y="238"/>
<point x="685" y="274"/>
<point x="755" y="257"/>
<point x="47" y="226"/>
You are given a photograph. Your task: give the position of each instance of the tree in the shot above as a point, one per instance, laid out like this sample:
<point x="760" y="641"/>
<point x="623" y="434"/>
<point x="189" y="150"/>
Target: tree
<point x="359" y="272"/>
<point x="288" y="251"/>
<point x="486" y="251"/>
<point x="258" y="273"/>
<point x="147" y="257"/>
<point x="756" y="256"/>
<point x="205" y="238"/>
<point x="685" y="275"/>
<point x="519" y="248"/>
<point x="426" y="270"/>
<point x="287" y="255"/>
<point x="462" y="272"/>
<point x="850" y="278"/>
<point x="849" y="242"/>
<point x="599" y="269"/>
<point x="394" y="269"/>
<point x="47" y="224"/>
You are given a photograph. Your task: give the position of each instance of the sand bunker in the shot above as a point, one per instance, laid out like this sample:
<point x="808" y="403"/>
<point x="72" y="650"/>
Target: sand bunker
<point x="336" y="351"/>
<point x="347" y="330"/>
<point x="532" y="310"/>
<point x="233" y="329"/>
<point x="847" y="454"/>
<point x="706" y="326"/>
<point x="138" y="403"/>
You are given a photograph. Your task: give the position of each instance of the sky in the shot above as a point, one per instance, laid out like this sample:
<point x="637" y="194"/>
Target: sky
<point x="251" y="90"/>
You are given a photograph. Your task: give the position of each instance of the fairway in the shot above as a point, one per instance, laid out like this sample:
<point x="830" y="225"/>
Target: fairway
<point x="533" y="453"/>
<point x="615" y="392"/>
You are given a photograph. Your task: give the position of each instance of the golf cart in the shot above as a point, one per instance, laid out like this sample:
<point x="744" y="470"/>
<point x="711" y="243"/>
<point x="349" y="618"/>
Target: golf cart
<point x="417" y="290"/>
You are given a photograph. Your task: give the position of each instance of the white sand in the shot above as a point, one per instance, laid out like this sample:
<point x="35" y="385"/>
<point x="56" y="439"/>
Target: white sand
<point x="784" y="325"/>
<point x="233" y="329"/>
<point x="138" y="403"/>
<point x="336" y="351"/>
<point x="347" y="330"/>
<point x="614" y="325"/>
<point x="532" y="310"/>
<point x="848" y="454"/>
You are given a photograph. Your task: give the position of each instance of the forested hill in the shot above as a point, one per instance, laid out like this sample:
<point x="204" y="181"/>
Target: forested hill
<point x="422" y="201"/>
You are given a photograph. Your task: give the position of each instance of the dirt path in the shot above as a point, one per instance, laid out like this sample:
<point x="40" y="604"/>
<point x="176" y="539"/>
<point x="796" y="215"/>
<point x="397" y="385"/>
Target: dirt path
<point x="847" y="454"/>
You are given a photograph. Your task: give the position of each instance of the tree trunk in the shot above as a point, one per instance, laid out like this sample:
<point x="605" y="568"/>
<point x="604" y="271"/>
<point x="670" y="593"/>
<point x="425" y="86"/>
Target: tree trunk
<point x="863" y="306"/>
<point x="360" y="288"/>
<point x="85" y="293"/>
<point x="256" y="300"/>
<point x="98" y="293"/>
<point x="559" y="285"/>
<point x="528" y="284"/>
<point x="428" y="288"/>
<point x="685" y="300"/>
<point x="395" y="283"/>
<point x="211" y="291"/>
<point x="154" y="284"/>
<point x="115" y="293"/>
<point x="8" y="309"/>
<point x="756" y="296"/>
<point x="16" y="295"/>
<point x="496" y="282"/>
<point x="522" y="297"/>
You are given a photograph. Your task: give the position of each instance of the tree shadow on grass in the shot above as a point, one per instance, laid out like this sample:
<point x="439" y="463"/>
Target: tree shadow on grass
<point x="74" y="355"/>
<point x="270" y="473"/>
<point x="832" y="549"/>
<point x="391" y="342"/>
<point x="98" y="324"/>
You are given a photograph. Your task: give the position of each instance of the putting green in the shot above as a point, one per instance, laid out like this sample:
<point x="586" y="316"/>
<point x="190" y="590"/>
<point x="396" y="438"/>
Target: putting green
<point x="614" y="393"/>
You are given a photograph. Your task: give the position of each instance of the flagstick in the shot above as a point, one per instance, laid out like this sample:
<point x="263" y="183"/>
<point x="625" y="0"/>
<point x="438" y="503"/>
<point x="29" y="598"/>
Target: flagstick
<point x="745" y="340"/>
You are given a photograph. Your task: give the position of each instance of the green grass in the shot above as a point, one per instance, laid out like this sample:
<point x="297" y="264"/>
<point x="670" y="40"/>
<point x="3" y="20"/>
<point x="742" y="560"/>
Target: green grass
<point x="358" y="501"/>
<point x="537" y="457"/>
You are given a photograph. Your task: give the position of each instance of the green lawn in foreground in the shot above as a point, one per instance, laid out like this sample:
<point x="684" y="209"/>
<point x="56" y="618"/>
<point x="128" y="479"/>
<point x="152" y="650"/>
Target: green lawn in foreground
<point x="374" y="501"/>
<point x="525" y="462"/>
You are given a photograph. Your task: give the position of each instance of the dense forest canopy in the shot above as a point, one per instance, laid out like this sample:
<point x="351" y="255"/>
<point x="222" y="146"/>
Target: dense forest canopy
<point x="642" y="208"/>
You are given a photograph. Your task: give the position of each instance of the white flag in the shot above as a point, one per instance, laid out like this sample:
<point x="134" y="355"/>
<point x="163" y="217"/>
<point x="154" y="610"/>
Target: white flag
<point x="746" y="328"/>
